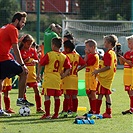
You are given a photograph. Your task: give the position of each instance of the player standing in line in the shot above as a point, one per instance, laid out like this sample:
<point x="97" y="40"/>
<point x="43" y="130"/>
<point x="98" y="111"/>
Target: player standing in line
<point x="53" y="61"/>
<point x="8" y="67"/>
<point x="70" y="82"/>
<point x="7" y="86"/>
<point x="68" y="36"/>
<point x="51" y="32"/>
<point x="92" y="61"/>
<point x="105" y="74"/>
<point x="30" y="58"/>
<point x="127" y="60"/>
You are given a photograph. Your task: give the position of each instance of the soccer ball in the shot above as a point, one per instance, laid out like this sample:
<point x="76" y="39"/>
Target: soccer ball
<point x="24" y="111"/>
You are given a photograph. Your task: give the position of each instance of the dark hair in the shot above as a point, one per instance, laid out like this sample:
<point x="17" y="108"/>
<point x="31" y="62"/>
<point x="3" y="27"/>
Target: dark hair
<point x="57" y="42"/>
<point x="19" y="15"/>
<point x="35" y="45"/>
<point x="58" y="26"/>
<point x="42" y="43"/>
<point x="69" y="36"/>
<point x="69" y="44"/>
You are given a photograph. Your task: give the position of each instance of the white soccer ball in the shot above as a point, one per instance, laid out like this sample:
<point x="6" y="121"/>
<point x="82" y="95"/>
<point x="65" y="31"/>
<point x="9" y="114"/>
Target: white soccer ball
<point x="24" y="111"/>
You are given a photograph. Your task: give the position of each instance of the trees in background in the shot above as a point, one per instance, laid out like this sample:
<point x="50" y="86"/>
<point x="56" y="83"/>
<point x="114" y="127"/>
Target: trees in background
<point x="7" y="9"/>
<point x="105" y="9"/>
<point x="89" y="9"/>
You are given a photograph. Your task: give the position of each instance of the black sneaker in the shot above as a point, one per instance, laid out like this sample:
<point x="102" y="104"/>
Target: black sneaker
<point x="127" y="112"/>
<point x="69" y="112"/>
<point x="24" y="102"/>
<point x="61" y="112"/>
<point x="89" y="112"/>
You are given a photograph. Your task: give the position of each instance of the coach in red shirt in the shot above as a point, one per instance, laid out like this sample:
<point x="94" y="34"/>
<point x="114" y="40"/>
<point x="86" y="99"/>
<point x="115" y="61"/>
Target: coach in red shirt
<point x="8" y="66"/>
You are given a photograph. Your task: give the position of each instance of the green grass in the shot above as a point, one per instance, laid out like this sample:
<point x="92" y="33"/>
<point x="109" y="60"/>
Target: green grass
<point x="32" y="123"/>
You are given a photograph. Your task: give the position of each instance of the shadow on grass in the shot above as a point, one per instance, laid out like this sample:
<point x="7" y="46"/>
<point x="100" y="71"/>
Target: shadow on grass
<point x="28" y="92"/>
<point x="28" y="120"/>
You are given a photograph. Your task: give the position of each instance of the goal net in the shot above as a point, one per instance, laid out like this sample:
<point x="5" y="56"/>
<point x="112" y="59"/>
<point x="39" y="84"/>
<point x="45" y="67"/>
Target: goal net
<point x="96" y="29"/>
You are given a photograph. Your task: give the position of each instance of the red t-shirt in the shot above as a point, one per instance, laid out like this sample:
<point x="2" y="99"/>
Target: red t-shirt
<point x="91" y="59"/>
<point x="129" y="56"/>
<point x="107" y="59"/>
<point x="8" y="36"/>
<point x="31" y="53"/>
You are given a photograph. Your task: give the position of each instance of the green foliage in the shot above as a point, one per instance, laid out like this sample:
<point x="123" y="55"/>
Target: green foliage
<point x="7" y="9"/>
<point x="105" y="9"/>
<point x="32" y="124"/>
<point x="45" y="21"/>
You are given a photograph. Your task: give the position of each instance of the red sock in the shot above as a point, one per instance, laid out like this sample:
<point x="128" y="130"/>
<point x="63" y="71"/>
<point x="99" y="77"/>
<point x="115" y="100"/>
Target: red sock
<point x="131" y="102"/>
<point x="7" y="102"/>
<point x="56" y="106"/>
<point x="25" y="96"/>
<point x="90" y="104"/>
<point x="93" y="106"/>
<point x="108" y="110"/>
<point x="70" y="104"/>
<point x="38" y="101"/>
<point x="98" y="106"/>
<point x="75" y="104"/>
<point x="47" y="107"/>
<point x="65" y="105"/>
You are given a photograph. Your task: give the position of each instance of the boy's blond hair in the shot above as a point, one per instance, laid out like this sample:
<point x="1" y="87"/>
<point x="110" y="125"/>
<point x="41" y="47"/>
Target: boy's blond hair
<point x="91" y="43"/>
<point x="129" y="38"/>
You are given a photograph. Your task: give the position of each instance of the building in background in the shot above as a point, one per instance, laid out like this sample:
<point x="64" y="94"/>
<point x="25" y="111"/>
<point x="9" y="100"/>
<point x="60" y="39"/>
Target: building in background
<point x="54" y="6"/>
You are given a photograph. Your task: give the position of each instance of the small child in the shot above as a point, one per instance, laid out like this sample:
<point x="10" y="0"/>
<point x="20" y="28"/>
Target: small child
<point x="30" y="58"/>
<point x="92" y="60"/>
<point x="70" y="82"/>
<point x="127" y="60"/>
<point x="68" y="36"/>
<point x="105" y="74"/>
<point x="53" y="61"/>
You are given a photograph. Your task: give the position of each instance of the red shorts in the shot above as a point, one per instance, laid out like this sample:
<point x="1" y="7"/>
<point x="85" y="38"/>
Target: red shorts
<point x="128" y="88"/>
<point x="102" y="90"/>
<point x="52" y="92"/>
<point x="6" y="88"/>
<point x="89" y="91"/>
<point x="71" y="92"/>
<point x="32" y="84"/>
<point x="62" y="91"/>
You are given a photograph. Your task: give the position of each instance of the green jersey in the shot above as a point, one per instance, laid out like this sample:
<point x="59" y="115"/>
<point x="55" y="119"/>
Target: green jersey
<point x="48" y="36"/>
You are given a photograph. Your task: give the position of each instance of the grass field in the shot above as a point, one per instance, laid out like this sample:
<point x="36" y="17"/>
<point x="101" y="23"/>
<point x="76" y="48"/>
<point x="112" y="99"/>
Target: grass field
<point x="32" y="123"/>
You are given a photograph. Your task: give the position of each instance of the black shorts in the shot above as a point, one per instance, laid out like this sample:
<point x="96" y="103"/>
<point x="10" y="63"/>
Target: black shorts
<point x="9" y="68"/>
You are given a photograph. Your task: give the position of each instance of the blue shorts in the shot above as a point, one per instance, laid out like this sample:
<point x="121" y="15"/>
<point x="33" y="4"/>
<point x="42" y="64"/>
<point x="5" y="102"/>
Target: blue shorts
<point x="9" y="68"/>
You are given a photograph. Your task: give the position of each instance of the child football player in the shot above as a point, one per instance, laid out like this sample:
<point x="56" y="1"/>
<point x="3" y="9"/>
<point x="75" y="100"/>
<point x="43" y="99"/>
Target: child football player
<point x="105" y="74"/>
<point x="30" y="57"/>
<point x="127" y="60"/>
<point x="53" y="61"/>
<point x="92" y="60"/>
<point x="70" y="82"/>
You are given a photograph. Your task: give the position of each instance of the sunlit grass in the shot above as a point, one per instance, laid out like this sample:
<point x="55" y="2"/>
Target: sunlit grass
<point x="32" y="123"/>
